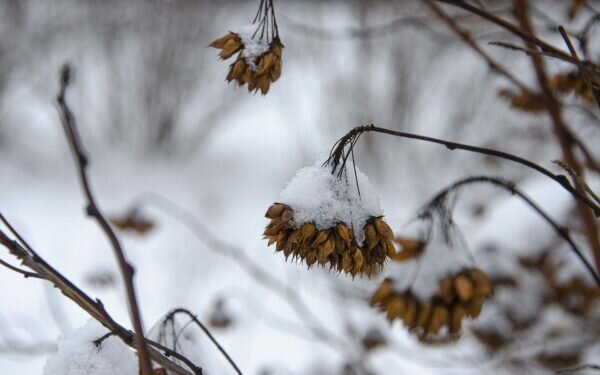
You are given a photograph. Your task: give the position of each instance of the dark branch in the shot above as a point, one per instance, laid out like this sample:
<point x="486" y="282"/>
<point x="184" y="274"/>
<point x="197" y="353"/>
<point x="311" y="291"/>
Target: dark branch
<point x="126" y="269"/>
<point x="337" y="157"/>
<point x="18" y="270"/>
<point x="171" y="315"/>
<point x="509" y="186"/>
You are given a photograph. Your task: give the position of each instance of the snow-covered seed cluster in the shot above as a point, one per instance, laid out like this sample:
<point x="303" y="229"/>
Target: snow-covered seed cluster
<point x="458" y="297"/>
<point x="336" y="246"/>
<point x="258" y="63"/>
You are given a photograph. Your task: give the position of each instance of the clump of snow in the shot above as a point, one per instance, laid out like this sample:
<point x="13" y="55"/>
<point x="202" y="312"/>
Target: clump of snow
<point x="316" y="195"/>
<point x="78" y="355"/>
<point x="422" y="275"/>
<point x="255" y="44"/>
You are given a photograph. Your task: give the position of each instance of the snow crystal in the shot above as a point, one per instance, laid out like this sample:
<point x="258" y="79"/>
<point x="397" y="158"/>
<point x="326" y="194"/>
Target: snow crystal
<point x="78" y="355"/>
<point x="316" y="195"/>
<point x="254" y="44"/>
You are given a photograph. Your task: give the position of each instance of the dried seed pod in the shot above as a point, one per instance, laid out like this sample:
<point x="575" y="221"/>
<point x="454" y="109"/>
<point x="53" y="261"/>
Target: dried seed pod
<point x="358" y="262"/>
<point x="322" y="236"/>
<point x="465" y="290"/>
<point x="424" y="314"/>
<point x="385" y="290"/>
<point x="308" y="232"/>
<point x="371" y="237"/>
<point x="265" y="63"/>
<point x="411" y="248"/>
<point x="263" y="83"/>
<point x="383" y="229"/>
<point x="457" y="314"/>
<point x="483" y="285"/>
<point x="412" y="309"/>
<point x="220" y="42"/>
<point x="236" y="70"/>
<point x="328" y="247"/>
<point x="343" y="232"/>
<point x="231" y="47"/>
<point x="275" y="210"/>
<point x="395" y="308"/>
<point x="335" y="246"/>
<point x="446" y="291"/>
<point x="311" y="257"/>
<point x="275" y="72"/>
<point x="439" y="317"/>
<point x="347" y="262"/>
<point x="474" y="307"/>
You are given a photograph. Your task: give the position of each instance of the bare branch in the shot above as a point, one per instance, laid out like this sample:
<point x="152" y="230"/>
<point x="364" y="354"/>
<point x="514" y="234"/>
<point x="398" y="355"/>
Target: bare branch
<point x="509" y="186"/>
<point x="171" y="315"/>
<point x="337" y="156"/>
<point x="92" y="210"/>
<point x="94" y="308"/>
<point x="464" y="35"/>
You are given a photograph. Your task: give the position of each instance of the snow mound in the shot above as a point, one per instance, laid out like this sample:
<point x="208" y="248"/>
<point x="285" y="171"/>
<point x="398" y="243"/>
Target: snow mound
<point x="78" y="355"/>
<point x="316" y="195"/>
<point x="423" y="274"/>
<point x="255" y="44"/>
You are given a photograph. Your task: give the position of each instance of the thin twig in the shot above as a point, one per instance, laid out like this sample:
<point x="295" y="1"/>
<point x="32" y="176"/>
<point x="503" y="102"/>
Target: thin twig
<point x="18" y="270"/>
<point x="514" y="29"/>
<point x="572" y="370"/>
<point x="173" y="313"/>
<point x="582" y="69"/>
<point x="560" y="230"/>
<point x="561" y="179"/>
<point x="92" y="210"/>
<point x="464" y="35"/>
<point x="94" y="308"/>
<point x="562" y="133"/>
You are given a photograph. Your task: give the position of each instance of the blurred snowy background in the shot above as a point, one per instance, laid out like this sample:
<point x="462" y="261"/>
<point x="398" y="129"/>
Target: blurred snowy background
<point x="162" y="128"/>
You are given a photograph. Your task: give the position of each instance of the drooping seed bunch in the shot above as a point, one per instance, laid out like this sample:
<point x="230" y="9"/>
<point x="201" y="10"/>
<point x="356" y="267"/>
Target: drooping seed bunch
<point x="256" y="69"/>
<point x="458" y="297"/>
<point x="336" y="246"/>
<point x="258" y="63"/>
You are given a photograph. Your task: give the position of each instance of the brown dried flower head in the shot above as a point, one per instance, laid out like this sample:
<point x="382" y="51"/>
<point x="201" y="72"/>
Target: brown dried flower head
<point x="336" y="246"/>
<point x="258" y="63"/>
<point x="458" y="297"/>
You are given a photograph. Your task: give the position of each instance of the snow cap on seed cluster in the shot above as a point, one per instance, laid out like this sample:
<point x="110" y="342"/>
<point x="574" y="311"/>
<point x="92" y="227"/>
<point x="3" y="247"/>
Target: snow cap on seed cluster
<point x="317" y="195"/>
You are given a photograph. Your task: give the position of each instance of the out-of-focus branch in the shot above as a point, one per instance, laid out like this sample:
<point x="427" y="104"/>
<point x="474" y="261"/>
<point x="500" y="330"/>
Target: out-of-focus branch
<point x="94" y="308"/>
<point x="582" y="70"/>
<point x="562" y="132"/>
<point x="509" y="186"/>
<point x="92" y="210"/>
<point x="214" y="243"/>
<point x="514" y="29"/>
<point x="27" y="349"/>
<point x="466" y="37"/>
<point x="195" y="320"/>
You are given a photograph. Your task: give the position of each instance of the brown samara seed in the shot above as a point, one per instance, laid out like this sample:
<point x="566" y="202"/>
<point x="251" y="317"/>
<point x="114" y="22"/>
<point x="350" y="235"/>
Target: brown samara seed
<point x="336" y="246"/>
<point x="465" y="290"/>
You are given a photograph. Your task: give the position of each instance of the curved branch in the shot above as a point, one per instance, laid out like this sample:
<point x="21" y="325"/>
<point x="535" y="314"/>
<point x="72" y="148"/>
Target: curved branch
<point x="337" y="156"/>
<point x="92" y="210"/>
<point x="509" y="186"/>
<point x="18" y="270"/>
<point x="193" y="317"/>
